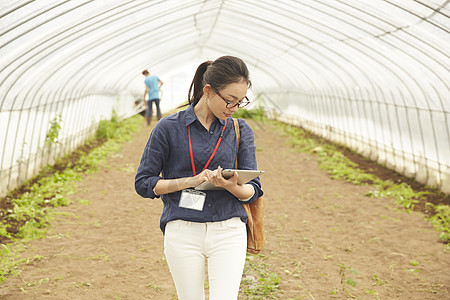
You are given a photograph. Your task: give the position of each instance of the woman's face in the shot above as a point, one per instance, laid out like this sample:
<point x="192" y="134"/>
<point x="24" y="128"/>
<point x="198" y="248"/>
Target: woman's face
<point x="233" y="92"/>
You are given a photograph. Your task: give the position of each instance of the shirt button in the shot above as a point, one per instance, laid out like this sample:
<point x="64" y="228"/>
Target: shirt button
<point x="209" y="204"/>
<point x="211" y="132"/>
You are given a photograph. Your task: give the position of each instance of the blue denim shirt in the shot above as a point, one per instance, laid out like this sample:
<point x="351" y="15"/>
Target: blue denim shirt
<point x="166" y="156"/>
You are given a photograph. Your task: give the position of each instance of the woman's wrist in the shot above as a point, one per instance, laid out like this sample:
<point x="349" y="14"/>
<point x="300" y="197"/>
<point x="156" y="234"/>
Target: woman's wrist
<point x="167" y="186"/>
<point x="192" y="181"/>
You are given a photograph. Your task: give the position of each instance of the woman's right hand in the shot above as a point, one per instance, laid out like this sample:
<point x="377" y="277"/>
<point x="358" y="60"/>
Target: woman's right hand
<point x="200" y="178"/>
<point x="167" y="186"/>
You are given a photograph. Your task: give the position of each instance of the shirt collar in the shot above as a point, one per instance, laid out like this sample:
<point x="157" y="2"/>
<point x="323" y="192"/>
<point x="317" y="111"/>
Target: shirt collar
<point x="191" y="117"/>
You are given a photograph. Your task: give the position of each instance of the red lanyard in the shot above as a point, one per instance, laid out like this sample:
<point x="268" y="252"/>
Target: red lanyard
<point x="212" y="155"/>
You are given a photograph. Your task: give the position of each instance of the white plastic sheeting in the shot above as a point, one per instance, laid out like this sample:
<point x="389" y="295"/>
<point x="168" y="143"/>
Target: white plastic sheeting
<point x="371" y="74"/>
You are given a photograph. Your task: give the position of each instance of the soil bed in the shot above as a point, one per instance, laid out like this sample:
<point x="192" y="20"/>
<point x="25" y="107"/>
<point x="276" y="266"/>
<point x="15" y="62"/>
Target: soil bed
<point x="325" y="238"/>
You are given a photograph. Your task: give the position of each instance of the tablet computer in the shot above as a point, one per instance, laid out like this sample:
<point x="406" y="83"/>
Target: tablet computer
<point x="244" y="176"/>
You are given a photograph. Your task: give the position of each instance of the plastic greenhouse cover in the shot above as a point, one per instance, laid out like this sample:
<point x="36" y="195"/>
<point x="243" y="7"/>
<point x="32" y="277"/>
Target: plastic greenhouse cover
<point x="372" y="74"/>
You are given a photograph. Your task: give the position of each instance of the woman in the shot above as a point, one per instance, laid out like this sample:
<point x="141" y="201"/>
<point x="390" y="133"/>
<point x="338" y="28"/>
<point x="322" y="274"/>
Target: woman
<point x="184" y="150"/>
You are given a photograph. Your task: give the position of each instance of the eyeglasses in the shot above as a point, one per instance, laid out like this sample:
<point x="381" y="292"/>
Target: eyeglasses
<point x="231" y="104"/>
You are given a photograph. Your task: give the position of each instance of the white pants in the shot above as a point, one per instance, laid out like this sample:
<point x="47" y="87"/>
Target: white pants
<point x="223" y="244"/>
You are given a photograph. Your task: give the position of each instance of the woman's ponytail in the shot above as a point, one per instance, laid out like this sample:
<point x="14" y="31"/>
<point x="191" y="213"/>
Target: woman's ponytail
<point x="197" y="84"/>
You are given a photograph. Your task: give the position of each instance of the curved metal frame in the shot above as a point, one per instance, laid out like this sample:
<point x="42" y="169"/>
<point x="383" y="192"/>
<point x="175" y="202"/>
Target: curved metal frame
<point x="325" y="72"/>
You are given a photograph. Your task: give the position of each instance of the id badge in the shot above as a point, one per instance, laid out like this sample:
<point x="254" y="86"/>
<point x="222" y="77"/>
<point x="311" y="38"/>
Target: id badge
<point x="192" y="199"/>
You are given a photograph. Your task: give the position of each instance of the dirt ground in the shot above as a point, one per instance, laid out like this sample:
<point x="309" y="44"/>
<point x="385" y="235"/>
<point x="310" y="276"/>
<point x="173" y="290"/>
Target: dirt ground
<point x="320" y="233"/>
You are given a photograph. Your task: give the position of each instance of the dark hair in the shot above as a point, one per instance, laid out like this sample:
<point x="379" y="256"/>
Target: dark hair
<point x="218" y="73"/>
<point x="145" y="72"/>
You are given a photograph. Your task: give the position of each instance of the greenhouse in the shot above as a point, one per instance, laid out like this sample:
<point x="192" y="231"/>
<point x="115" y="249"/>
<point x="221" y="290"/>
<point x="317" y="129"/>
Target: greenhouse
<point x="371" y="76"/>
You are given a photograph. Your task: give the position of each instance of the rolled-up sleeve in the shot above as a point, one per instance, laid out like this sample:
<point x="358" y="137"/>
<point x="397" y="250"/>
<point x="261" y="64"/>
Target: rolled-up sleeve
<point x="152" y="162"/>
<point x="247" y="157"/>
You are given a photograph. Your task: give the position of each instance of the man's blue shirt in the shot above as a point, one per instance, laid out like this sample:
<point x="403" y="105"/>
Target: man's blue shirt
<point x="152" y="82"/>
<point x="166" y="156"/>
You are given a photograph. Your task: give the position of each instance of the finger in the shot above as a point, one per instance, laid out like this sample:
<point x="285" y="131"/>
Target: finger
<point x="203" y="178"/>
<point x="218" y="172"/>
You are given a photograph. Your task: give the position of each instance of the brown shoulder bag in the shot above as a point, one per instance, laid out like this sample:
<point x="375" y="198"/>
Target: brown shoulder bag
<point x="255" y="211"/>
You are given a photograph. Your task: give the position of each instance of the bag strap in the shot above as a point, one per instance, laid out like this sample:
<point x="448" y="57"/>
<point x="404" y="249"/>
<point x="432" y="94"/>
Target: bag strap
<point x="238" y="137"/>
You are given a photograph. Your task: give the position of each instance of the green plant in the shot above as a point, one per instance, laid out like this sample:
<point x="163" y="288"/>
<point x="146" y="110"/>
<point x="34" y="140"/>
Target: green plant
<point x="8" y="262"/>
<point x="31" y="211"/>
<point x="84" y="201"/>
<point x="402" y="193"/>
<point x="53" y="131"/>
<point x="347" y="280"/>
<point x="257" y="113"/>
<point x="334" y="291"/>
<point x="340" y="167"/>
<point x="377" y="280"/>
<point x="258" y="282"/>
<point x="10" y="259"/>
<point x="107" y="128"/>
<point x="370" y="292"/>
<point x="37" y="282"/>
<point x="414" y="263"/>
<point x="441" y="220"/>
<point x="334" y="162"/>
<point x="155" y="287"/>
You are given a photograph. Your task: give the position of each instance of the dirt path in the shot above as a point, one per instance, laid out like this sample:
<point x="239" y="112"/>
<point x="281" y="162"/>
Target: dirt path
<point x="319" y="231"/>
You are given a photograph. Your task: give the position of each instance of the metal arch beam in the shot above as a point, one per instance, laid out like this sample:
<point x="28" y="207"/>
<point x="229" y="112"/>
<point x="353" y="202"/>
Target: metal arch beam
<point x="245" y="56"/>
<point x="83" y="67"/>
<point x="8" y="124"/>
<point x="119" y="53"/>
<point x="13" y="9"/>
<point x="170" y="54"/>
<point x="30" y="18"/>
<point x="344" y="69"/>
<point x="420" y="86"/>
<point x="337" y="62"/>
<point x="281" y="70"/>
<point x="402" y="80"/>
<point x="129" y="40"/>
<point x="306" y="37"/>
<point x="417" y="84"/>
<point x="81" y="24"/>
<point x="140" y="47"/>
<point x="293" y="48"/>
<point x="98" y="62"/>
<point x="28" y="59"/>
<point x="114" y="54"/>
<point x="134" y="25"/>
<point x="334" y="29"/>
<point x="37" y="15"/>
<point x="447" y="54"/>
<point x="374" y="54"/>
<point x="271" y="67"/>
<point x="23" y="103"/>
<point x="426" y="19"/>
